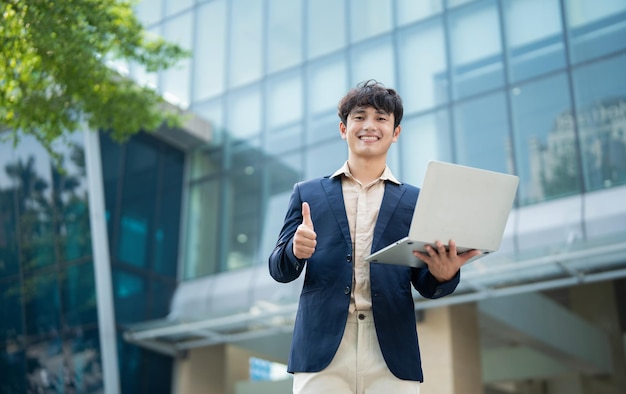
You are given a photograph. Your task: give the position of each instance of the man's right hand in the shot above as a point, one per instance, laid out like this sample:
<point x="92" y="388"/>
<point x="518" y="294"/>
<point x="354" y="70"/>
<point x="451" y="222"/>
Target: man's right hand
<point x="304" y="240"/>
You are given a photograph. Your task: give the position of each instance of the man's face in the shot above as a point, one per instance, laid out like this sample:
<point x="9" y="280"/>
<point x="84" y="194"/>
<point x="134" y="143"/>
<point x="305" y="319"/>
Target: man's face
<point x="369" y="132"/>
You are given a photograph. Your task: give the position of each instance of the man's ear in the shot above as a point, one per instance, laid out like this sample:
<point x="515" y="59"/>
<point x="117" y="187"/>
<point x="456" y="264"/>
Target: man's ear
<point x="396" y="133"/>
<point x="342" y="130"/>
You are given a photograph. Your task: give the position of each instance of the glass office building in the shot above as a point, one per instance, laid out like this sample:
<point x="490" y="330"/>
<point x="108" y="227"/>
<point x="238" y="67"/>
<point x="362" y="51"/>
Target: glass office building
<point x="529" y="87"/>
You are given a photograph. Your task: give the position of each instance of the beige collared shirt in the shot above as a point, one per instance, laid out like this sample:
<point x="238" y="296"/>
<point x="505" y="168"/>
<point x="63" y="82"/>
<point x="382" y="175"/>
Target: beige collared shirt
<point x="362" y="204"/>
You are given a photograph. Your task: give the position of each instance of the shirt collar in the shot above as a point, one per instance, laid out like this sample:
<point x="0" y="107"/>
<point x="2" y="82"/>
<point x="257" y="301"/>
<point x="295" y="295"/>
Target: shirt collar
<point x="385" y="176"/>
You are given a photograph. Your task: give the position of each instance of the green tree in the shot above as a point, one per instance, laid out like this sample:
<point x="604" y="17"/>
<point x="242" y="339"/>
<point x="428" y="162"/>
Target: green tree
<point x="53" y="71"/>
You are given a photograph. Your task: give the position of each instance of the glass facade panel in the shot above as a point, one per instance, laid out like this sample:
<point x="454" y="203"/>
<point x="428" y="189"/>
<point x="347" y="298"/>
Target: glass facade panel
<point x="11" y="317"/>
<point x="476" y="49"/>
<point x="408" y="11"/>
<point x="323" y="128"/>
<point x="42" y="305"/>
<point x="131" y="294"/>
<point x="326" y="27"/>
<point x="317" y="158"/>
<point x="284" y="100"/>
<point x="203" y="229"/>
<point x="595" y="28"/>
<point x="328" y="81"/>
<point x="423" y="138"/>
<point x="245" y="49"/>
<point x="174" y="7"/>
<point x="369" y="18"/>
<point x="284" y="44"/>
<point x="209" y="55"/>
<point x="545" y="140"/>
<point x="537" y="50"/>
<point x="601" y="117"/>
<point x="423" y="68"/>
<point x="78" y="289"/>
<point x="13" y="371"/>
<point x="149" y="11"/>
<point x="374" y="61"/>
<point x="283" y="140"/>
<point x="176" y="82"/>
<point x="481" y="134"/>
<point x="9" y="253"/>
<point x="244" y="115"/>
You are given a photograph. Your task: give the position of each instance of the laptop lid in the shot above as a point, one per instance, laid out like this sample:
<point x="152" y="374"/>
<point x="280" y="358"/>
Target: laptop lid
<point x="468" y="205"/>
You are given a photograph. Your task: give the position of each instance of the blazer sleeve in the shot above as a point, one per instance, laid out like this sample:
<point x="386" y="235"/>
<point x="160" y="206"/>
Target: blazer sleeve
<point x="429" y="287"/>
<point x="284" y="266"/>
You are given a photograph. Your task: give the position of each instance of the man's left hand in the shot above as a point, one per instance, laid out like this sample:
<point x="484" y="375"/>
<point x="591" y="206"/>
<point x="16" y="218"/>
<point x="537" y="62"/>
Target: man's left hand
<point x="444" y="263"/>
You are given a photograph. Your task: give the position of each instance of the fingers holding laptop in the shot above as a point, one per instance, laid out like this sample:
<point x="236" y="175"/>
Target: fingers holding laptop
<point x="444" y="263"/>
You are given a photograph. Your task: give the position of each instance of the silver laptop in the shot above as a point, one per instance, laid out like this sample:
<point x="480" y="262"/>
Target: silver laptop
<point x="468" y="205"/>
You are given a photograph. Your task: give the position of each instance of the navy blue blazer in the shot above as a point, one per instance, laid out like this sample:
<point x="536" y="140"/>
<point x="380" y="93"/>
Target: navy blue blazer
<point x="325" y="297"/>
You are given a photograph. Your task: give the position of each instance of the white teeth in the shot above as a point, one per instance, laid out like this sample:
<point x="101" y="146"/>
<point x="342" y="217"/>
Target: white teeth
<point x="366" y="138"/>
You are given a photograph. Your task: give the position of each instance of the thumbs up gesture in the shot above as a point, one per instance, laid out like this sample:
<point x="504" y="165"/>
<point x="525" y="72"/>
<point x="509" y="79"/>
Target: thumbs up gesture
<point x="304" y="240"/>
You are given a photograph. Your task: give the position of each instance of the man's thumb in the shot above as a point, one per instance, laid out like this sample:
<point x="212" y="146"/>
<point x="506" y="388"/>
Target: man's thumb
<point x="306" y="215"/>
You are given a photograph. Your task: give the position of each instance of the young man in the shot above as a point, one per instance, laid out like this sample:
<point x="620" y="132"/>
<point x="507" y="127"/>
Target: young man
<point x="355" y="329"/>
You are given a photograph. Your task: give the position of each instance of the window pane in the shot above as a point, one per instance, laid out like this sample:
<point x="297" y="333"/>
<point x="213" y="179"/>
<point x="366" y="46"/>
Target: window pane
<point x="213" y="112"/>
<point x="326" y="27"/>
<point x="173" y="7"/>
<point x="176" y="80"/>
<point x="285" y="34"/>
<point x="11" y="327"/>
<point x="284" y="99"/>
<point x="423" y="139"/>
<point x="410" y="10"/>
<point x="244" y="117"/>
<point x="601" y="113"/>
<point x="596" y="27"/>
<point x="535" y="37"/>
<point x="42" y="306"/>
<point x="374" y="61"/>
<point x="203" y="231"/>
<point x="323" y="128"/>
<point x="545" y="142"/>
<point x="149" y="11"/>
<point x="245" y="42"/>
<point x="284" y="140"/>
<point x="13" y="371"/>
<point x="424" y="77"/>
<point x="209" y="55"/>
<point x="83" y="360"/>
<point x="79" y="295"/>
<point x="328" y="83"/>
<point x="369" y="18"/>
<point x="9" y="262"/>
<point x="130" y="297"/>
<point x="476" y="49"/>
<point x="482" y="134"/>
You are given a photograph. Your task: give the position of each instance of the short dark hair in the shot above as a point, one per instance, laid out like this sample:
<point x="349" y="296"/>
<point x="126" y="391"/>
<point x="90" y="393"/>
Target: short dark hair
<point x="371" y="93"/>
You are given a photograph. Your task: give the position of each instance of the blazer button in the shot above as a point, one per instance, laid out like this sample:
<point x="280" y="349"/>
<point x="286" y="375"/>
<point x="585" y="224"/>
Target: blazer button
<point x="349" y="258"/>
<point x="346" y="291"/>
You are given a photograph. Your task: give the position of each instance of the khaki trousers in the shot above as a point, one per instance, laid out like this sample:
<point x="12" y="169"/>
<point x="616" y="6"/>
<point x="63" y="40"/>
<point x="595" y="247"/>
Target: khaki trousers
<point x="358" y="366"/>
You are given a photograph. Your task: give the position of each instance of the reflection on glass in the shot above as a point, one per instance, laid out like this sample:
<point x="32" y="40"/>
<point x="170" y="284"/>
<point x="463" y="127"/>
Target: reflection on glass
<point x="284" y="43"/>
<point x="79" y="295"/>
<point x="326" y="27"/>
<point x="410" y="10"/>
<point x="209" y="55"/>
<point x="482" y="134"/>
<point x="203" y="231"/>
<point x="13" y="370"/>
<point x="601" y="116"/>
<point x="42" y="306"/>
<point x="130" y="295"/>
<point x="246" y="33"/>
<point x="595" y="27"/>
<point x="369" y="18"/>
<point x="534" y="37"/>
<point x="423" y="139"/>
<point x="545" y="140"/>
<point x="176" y="82"/>
<point x="324" y="159"/>
<point x="283" y="140"/>
<point x="423" y="68"/>
<point x="11" y="322"/>
<point x="476" y="49"/>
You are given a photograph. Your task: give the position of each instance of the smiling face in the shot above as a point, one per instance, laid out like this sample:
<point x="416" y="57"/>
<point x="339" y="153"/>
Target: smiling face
<point x="369" y="133"/>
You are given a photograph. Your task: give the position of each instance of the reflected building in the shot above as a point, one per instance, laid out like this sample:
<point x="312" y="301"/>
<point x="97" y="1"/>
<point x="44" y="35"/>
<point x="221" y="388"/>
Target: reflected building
<point x="164" y="288"/>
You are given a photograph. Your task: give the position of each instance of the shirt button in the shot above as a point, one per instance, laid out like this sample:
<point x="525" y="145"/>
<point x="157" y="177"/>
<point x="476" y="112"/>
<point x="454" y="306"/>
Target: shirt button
<point x="349" y="258"/>
<point x="346" y="290"/>
<point x="361" y="316"/>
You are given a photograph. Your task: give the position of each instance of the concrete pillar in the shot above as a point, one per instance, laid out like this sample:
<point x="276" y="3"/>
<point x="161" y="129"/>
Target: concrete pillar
<point x="596" y="302"/>
<point x="450" y="347"/>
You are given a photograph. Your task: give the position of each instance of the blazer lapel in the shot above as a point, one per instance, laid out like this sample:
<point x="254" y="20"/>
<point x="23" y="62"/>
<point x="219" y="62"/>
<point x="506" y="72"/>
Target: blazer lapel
<point x="391" y="198"/>
<point x="334" y="194"/>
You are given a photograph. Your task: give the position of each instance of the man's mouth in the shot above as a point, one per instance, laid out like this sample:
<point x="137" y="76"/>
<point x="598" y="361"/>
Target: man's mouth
<point x="369" y="138"/>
